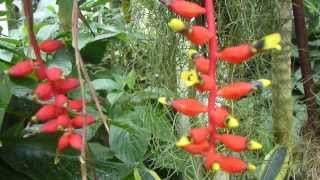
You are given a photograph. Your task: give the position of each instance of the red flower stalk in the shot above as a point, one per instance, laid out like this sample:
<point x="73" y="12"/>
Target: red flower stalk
<point x="186" y="9"/>
<point x="235" y="165"/>
<point x="62" y="86"/>
<point x="54" y="73"/>
<point x="238" y="143"/>
<point x="199" y="135"/>
<point x="200" y="148"/>
<point x="50" y="45"/>
<point x="47" y="112"/>
<point x="78" y="121"/>
<point x="40" y="69"/>
<point x="223" y="119"/>
<point x="44" y="91"/>
<point x="21" y="69"/>
<point x="239" y="90"/>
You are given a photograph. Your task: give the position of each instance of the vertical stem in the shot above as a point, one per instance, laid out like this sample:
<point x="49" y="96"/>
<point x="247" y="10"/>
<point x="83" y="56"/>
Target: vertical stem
<point x="27" y="7"/>
<point x="306" y="71"/>
<point x="282" y="101"/>
<point x="213" y="48"/>
<point x="75" y="42"/>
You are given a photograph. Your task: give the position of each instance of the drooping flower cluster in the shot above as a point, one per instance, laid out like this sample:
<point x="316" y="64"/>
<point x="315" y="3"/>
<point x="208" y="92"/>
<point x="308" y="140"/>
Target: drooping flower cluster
<point x="58" y="112"/>
<point x="202" y="140"/>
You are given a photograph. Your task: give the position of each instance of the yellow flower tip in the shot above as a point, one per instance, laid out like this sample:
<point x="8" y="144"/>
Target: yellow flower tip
<point x="232" y="122"/>
<point x="254" y="145"/>
<point x="183" y="141"/>
<point x="177" y="25"/>
<point x="190" y="77"/>
<point x="272" y="41"/>
<point x="251" y="167"/>
<point x="265" y="82"/>
<point x="191" y="53"/>
<point x="163" y="100"/>
<point x="216" y="167"/>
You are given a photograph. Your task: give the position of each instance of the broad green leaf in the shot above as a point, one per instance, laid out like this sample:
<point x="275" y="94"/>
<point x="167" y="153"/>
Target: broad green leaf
<point x="63" y="59"/>
<point x="48" y="31"/>
<point x="5" y="95"/>
<point x="131" y="79"/>
<point x="100" y="152"/>
<point x="136" y="174"/>
<point x="34" y="157"/>
<point x="65" y="14"/>
<point x="105" y="84"/>
<point x="129" y="148"/>
<point x="276" y="164"/>
<point x="113" y="97"/>
<point x="154" y="174"/>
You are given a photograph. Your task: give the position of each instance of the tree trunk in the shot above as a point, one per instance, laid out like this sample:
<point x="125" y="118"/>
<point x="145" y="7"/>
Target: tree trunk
<point x="282" y="101"/>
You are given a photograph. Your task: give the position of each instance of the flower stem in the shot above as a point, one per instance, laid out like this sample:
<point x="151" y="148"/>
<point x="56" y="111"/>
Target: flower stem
<point x="213" y="48"/>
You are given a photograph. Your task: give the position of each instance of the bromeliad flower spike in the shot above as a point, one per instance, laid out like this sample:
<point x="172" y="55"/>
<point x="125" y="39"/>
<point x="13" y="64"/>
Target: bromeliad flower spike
<point x="202" y="141"/>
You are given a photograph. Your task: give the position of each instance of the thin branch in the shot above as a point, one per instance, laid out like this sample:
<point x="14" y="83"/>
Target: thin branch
<point x="75" y="42"/>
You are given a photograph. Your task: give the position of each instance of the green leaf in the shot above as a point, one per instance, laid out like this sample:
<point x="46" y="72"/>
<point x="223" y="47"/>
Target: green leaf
<point x="48" y="31"/>
<point x="136" y="174"/>
<point x="113" y="97"/>
<point x="34" y="157"/>
<point x="131" y="79"/>
<point x="105" y="84"/>
<point x="65" y="14"/>
<point x="5" y="95"/>
<point x="154" y="174"/>
<point x="129" y="148"/>
<point x="62" y="58"/>
<point x="275" y="164"/>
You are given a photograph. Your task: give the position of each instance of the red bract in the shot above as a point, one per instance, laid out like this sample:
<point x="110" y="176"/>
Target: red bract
<point x="44" y="91"/>
<point x="61" y="100"/>
<point x="21" y="69"/>
<point x="50" y="45"/>
<point x="186" y="9"/>
<point x="235" y="143"/>
<point x="220" y="116"/>
<point x="62" y="86"/>
<point x="49" y="127"/>
<point x="200" y="148"/>
<point x="189" y="107"/>
<point x="40" y="69"/>
<point x="233" y="164"/>
<point x="199" y="135"/>
<point x="202" y="65"/>
<point x="63" y="142"/>
<point x="77" y="122"/>
<point x="237" y="54"/>
<point x="236" y="91"/>
<point x="76" y="105"/>
<point x="199" y="35"/>
<point x="211" y="158"/>
<point x="47" y="112"/>
<point x="54" y="73"/>
<point x="76" y="141"/>
<point x="206" y="83"/>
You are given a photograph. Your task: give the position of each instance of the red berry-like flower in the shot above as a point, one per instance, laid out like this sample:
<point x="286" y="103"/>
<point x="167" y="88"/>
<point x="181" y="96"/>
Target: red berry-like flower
<point x="189" y="107"/>
<point x="238" y="143"/>
<point x="40" y="70"/>
<point x="62" y="86"/>
<point x="211" y="158"/>
<point x="198" y="35"/>
<point x="61" y="100"/>
<point x="63" y="142"/>
<point x="234" y="165"/>
<point x="206" y="83"/>
<point x="202" y="65"/>
<point x="49" y="127"/>
<point x="186" y="9"/>
<point x="237" y="54"/>
<point x="47" y="112"/>
<point x="50" y="45"/>
<point x="44" y="91"/>
<point x="77" y="122"/>
<point x="21" y="69"/>
<point x="76" y="105"/>
<point x="54" y="73"/>
<point x="63" y="121"/>
<point x="76" y="141"/>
